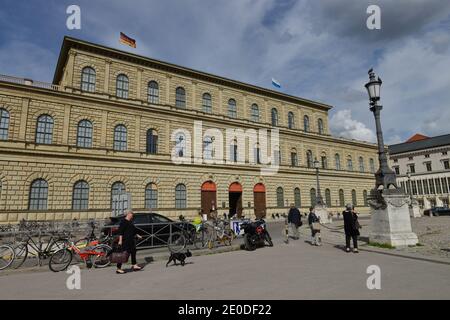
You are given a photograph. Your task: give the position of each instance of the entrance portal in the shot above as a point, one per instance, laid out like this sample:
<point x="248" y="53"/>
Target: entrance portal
<point x="235" y="199"/>
<point x="208" y="197"/>
<point x="259" y="198"/>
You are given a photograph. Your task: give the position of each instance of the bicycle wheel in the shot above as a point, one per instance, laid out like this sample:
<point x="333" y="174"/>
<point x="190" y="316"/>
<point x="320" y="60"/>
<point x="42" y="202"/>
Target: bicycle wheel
<point x="200" y="239"/>
<point x="101" y="258"/>
<point x="60" y="260"/>
<point x="177" y="242"/>
<point x="7" y="256"/>
<point x="58" y="244"/>
<point x="21" y="251"/>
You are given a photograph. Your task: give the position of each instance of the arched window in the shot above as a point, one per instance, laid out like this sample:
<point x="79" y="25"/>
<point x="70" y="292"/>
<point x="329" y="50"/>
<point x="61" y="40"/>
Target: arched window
<point x="297" y="198"/>
<point x="122" y="86"/>
<point x="37" y="199"/>
<point x="280" y="197"/>
<point x="80" y="195"/>
<point x="234" y="151"/>
<point x="120" y="138"/>
<point x="324" y="161"/>
<point x="309" y="159"/>
<point x="232" y="110"/>
<point x="152" y="141"/>
<point x="4" y="124"/>
<point x="306" y="123"/>
<point x="88" y="79"/>
<point x="180" y="196"/>
<point x="341" y="198"/>
<point x="84" y="134"/>
<point x="291" y="120"/>
<point x="361" y="164"/>
<point x="312" y="194"/>
<point x="180" y="98"/>
<point x="117" y="188"/>
<point x="153" y="92"/>
<point x="328" y="197"/>
<point x="180" y="144"/>
<point x="255" y="113"/>
<point x="151" y="196"/>
<point x="354" y="201"/>
<point x="44" y="129"/>
<point x="208" y="151"/>
<point x="207" y="103"/>
<point x="349" y="163"/>
<point x="337" y="161"/>
<point x="274" y="114"/>
<point x="294" y="158"/>
<point x="372" y="165"/>
<point x="320" y="126"/>
<point x="366" y="203"/>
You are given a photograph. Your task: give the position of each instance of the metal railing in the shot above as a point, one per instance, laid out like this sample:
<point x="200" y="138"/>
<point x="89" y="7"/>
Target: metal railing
<point x="30" y="82"/>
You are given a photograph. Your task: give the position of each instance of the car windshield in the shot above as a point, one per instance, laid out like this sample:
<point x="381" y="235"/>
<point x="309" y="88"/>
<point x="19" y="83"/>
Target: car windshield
<point x="160" y="219"/>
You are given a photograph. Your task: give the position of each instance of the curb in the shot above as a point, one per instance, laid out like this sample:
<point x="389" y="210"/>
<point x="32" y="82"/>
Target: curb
<point x="152" y="256"/>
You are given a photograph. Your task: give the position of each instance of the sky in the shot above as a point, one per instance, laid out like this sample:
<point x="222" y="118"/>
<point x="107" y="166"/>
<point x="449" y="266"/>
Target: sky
<point x="319" y="50"/>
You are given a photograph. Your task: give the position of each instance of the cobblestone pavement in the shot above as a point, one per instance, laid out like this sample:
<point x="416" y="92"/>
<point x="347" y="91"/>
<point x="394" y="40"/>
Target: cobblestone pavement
<point x="433" y="233"/>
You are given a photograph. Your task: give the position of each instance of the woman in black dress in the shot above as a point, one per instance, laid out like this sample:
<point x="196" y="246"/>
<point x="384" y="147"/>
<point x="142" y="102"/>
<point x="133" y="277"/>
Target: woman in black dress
<point x="127" y="233"/>
<point x="351" y="228"/>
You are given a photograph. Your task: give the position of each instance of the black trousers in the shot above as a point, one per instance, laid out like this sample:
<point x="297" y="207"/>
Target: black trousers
<point x="355" y="241"/>
<point x="132" y="252"/>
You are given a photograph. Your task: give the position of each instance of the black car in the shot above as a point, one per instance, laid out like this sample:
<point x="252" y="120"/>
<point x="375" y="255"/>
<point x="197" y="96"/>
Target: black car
<point x="153" y="227"/>
<point x="437" y="211"/>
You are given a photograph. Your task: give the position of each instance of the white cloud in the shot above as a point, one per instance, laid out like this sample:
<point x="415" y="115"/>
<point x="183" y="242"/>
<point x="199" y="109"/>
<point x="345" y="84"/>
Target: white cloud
<point x="342" y="124"/>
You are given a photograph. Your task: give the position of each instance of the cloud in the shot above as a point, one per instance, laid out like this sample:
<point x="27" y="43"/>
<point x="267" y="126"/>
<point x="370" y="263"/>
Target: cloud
<point x="343" y="125"/>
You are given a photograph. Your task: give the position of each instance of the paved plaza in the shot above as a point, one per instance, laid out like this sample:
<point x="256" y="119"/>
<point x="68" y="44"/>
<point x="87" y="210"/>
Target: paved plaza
<point x="286" y="271"/>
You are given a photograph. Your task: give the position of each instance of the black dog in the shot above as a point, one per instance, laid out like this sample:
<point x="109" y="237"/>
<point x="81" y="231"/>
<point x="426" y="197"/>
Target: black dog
<point x="180" y="256"/>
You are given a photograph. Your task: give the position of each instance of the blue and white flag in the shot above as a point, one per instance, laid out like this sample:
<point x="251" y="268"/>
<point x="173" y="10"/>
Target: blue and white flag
<point x="276" y="83"/>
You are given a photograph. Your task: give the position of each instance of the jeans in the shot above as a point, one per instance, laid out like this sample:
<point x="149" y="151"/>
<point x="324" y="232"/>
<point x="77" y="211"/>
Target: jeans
<point x="132" y="253"/>
<point x="355" y="241"/>
<point x="294" y="230"/>
<point x="315" y="236"/>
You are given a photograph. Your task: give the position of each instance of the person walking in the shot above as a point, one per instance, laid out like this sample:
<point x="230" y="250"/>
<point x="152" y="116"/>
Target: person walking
<point x="127" y="234"/>
<point x="295" y="221"/>
<point x="313" y="221"/>
<point x="351" y="227"/>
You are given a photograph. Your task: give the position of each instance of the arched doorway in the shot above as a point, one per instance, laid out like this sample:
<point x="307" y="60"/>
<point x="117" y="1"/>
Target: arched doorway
<point x="259" y="198"/>
<point x="208" y="197"/>
<point x="235" y="199"/>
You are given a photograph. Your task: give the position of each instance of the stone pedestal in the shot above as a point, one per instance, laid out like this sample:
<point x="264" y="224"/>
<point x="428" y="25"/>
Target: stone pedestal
<point x="322" y="212"/>
<point x="390" y="220"/>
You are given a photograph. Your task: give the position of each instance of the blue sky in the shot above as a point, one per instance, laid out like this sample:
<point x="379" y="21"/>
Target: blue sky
<point x="318" y="50"/>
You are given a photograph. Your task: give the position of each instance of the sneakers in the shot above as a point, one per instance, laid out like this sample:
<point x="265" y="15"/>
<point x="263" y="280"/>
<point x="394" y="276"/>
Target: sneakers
<point x="355" y="251"/>
<point x="347" y="250"/>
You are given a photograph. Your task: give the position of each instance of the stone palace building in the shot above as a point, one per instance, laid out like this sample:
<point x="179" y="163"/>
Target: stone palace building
<point x="106" y="126"/>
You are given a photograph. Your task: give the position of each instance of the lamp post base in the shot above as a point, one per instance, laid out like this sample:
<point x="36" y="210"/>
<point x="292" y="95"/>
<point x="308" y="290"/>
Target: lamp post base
<point x="391" y="223"/>
<point x="322" y="212"/>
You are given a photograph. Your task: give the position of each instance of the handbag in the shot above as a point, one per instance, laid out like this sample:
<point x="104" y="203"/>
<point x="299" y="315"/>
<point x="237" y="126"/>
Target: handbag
<point x="357" y="225"/>
<point x="315" y="226"/>
<point x="119" y="256"/>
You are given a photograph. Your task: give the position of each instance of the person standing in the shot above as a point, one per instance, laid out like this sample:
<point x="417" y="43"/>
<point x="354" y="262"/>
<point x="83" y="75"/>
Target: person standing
<point x="295" y="221"/>
<point x="351" y="227"/>
<point x="127" y="234"/>
<point x="313" y="221"/>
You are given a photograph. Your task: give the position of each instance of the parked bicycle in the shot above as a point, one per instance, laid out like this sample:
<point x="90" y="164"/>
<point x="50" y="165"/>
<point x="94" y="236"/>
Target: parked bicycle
<point x="7" y="256"/>
<point x="219" y="231"/>
<point x="96" y="256"/>
<point x="188" y="235"/>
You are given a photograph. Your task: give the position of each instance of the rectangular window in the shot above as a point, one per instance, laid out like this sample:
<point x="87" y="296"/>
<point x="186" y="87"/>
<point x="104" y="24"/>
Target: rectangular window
<point x="294" y="160"/>
<point x="431" y="184"/>
<point x="444" y="153"/>
<point x="397" y="170"/>
<point x="402" y="185"/>
<point x="425" y="187"/>
<point x="428" y="166"/>
<point x="414" y="187"/>
<point x="438" y="185"/>
<point x="412" y="168"/>
<point x="446" y="164"/>
<point x="444" y="185"/>
<point x="419" y="186"/>
<point x="427" y="156"/>
<point x="408" y="187"/>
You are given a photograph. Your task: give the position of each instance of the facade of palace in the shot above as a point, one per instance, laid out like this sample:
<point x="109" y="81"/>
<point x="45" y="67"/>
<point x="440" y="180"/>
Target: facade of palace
<point x="427" y="160"/>
<point x="109" y="122"/>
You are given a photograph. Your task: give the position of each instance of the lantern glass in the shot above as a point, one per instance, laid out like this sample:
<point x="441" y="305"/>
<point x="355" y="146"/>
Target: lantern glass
<point x="316" y="164"/>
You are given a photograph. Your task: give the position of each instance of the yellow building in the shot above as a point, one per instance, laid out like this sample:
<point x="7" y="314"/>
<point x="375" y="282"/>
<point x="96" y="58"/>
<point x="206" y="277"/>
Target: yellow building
<point x="106" y="124"/>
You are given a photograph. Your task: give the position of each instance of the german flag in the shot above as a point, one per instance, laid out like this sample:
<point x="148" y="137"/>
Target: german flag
<point x="127" y="40"/>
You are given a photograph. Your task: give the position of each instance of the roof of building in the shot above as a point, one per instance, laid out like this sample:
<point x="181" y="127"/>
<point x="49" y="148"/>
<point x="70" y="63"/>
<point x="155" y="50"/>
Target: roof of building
<point x="70" y="42"/>
<point x="419" y="144"/>
<point x="417" y="137"/>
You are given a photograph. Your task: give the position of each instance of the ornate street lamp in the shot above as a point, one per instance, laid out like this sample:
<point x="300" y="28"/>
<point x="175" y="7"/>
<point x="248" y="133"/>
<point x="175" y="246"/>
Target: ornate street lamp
<point x="384" y="176"/>
<point x="319" y="199"/>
